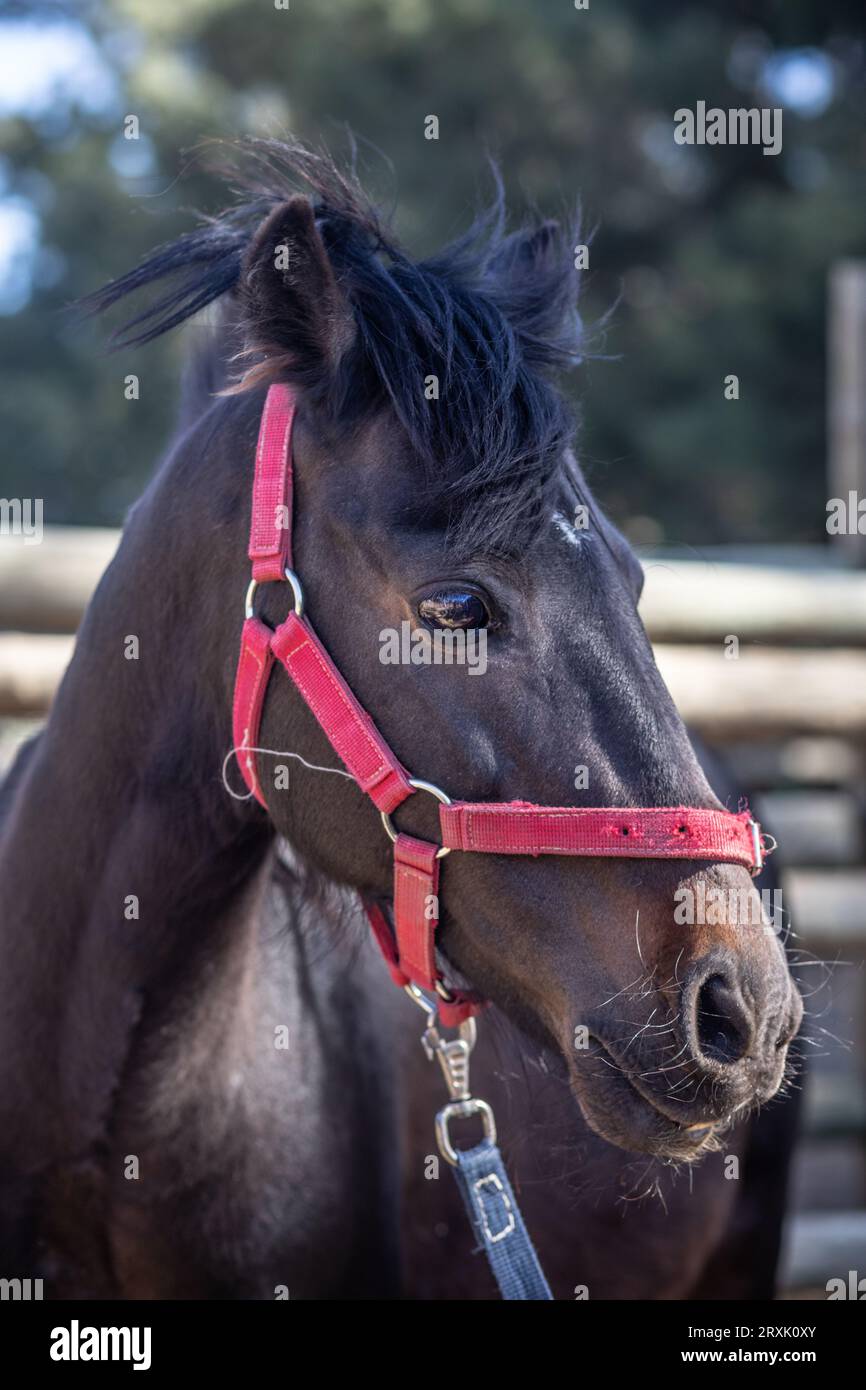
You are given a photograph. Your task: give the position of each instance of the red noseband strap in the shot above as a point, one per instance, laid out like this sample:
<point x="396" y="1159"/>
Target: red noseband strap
<point x="655" y="832"/>
<point x="515" y="827"/>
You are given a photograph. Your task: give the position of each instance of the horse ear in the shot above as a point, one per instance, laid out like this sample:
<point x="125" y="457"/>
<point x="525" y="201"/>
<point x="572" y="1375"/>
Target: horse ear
<point x="297" y="320"/>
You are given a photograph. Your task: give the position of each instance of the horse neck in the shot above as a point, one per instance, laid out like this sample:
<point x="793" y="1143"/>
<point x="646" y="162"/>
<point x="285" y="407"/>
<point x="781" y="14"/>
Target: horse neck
<point x="126" y="866"/>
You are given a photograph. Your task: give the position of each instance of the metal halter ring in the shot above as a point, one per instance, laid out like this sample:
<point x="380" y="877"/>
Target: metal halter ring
<point x="291" y="578"/>
<point x="419" y="787"/>
<point x="462" y="1110"/>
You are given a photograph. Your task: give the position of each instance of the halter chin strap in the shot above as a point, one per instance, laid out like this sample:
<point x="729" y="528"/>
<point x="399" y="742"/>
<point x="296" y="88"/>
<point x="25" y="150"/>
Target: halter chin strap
<point x="513" y="827"/>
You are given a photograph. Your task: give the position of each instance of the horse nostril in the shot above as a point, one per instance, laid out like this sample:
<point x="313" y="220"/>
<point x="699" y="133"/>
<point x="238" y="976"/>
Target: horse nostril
<point x="723" y="1027"/>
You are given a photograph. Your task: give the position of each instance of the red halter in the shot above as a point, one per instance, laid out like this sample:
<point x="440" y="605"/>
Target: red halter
<point x="511" y="827"/>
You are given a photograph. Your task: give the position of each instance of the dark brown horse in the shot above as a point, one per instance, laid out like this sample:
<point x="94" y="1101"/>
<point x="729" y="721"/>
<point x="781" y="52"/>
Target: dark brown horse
<point x="161" y="941"/>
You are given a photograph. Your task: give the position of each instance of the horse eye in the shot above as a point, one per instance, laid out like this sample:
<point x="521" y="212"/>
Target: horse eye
<point x="453" y="608"/>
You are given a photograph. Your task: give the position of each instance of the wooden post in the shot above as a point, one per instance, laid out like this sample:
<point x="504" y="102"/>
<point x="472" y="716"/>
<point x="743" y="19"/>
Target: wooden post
<point x="846" y="398"/>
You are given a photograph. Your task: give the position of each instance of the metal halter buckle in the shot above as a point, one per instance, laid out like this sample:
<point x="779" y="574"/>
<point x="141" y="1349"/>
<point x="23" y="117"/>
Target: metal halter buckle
<point x="419" y="786"/>
<point x="292" y="579"/>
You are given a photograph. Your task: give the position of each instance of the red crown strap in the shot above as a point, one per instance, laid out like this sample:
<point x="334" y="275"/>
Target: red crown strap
<point x="270" y="547"/>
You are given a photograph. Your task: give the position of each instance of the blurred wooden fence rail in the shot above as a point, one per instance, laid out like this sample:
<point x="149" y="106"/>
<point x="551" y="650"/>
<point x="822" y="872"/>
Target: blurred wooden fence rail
<point x="45" y="588"/>
<point x="801" y="667"/>
<point x="789" y="712"/>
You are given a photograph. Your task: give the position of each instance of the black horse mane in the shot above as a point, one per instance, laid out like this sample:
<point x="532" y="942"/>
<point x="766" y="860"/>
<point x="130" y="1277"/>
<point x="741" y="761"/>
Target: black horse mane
<point x="493" y="317"/>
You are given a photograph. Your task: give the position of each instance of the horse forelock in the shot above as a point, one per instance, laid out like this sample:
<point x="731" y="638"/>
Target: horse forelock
<point x="462" y="346"/>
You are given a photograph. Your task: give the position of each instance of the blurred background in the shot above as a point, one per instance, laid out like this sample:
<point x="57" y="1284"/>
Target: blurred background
<point x="706" y="261"/>
<point x="718" y="257"/>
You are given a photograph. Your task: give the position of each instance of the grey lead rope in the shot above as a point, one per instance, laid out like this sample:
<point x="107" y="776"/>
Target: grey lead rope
<point x="479" y="1172"/>
<point x="498" y="1224"/>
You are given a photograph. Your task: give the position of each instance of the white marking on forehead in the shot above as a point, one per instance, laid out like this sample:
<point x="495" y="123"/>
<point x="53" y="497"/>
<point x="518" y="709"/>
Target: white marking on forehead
<point x="568" y="530"/>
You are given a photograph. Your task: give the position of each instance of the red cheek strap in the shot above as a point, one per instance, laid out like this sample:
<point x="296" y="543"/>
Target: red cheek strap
<point x="349" y="729"/>
<point x="251" y="681"/>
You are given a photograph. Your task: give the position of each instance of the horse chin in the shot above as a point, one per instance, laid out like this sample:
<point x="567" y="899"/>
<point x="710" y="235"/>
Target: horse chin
<point x="620" y="1114"/>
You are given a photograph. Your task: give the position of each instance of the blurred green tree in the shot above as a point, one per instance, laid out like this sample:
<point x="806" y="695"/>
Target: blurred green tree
<point x="714" y="259"/>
